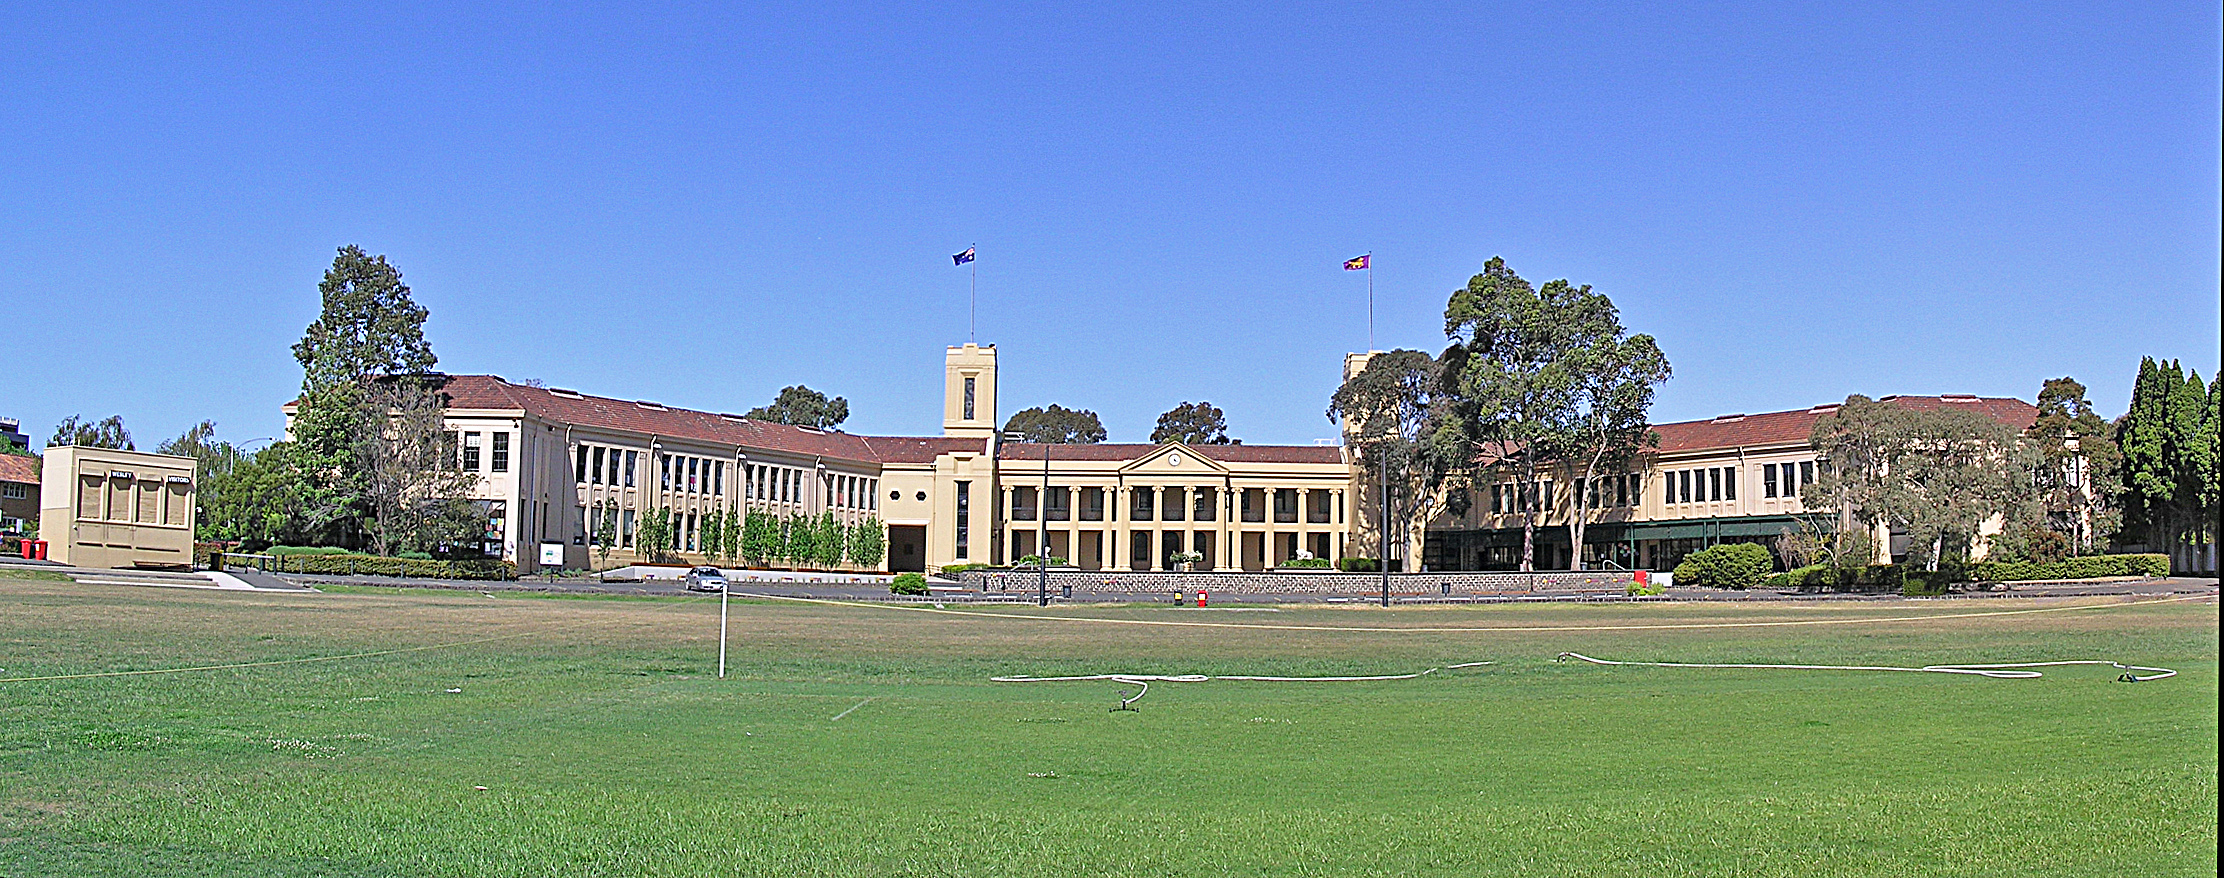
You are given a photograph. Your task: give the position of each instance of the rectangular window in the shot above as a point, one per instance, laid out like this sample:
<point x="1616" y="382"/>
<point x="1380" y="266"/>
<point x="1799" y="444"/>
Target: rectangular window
<point x="1714" y="483"/>
<point x="1548" y="496"/>
<point x="582" y="475"/>
<point x="1142" y="507"/>
<point x="1683" y="482"/>
<point x="613" y="479"/>
<point x="1806" y="473"/>
<point x="501" y="452"/>
<point x="1729" y="483"/>
<point x="1668" y="482"/>
<point x="969" y="397"/>
<point x="1497" y="499"/>
<point x="693" y="480"/>
<point x="1768" y="480"/>
<point x="664" y="471"/>
<point x="625" y="528"/>
<point x="632" y="457"/>
<point x="718" y="479"/>
<point x="14" y="491"/>
<point x="965" y="517"/>
<point x="1621" y="490"/>
<point x="1207" y="501"/>
<point x="596" y="470"/>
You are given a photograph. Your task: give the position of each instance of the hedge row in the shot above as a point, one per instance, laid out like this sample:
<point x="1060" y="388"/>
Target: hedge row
<point x="2086" y="567"/>
<point x="417" y="567"/>
<point x="1900" y="578"/>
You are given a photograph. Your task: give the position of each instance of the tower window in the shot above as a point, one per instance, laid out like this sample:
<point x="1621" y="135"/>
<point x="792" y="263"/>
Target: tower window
<point x="969" y="397"/>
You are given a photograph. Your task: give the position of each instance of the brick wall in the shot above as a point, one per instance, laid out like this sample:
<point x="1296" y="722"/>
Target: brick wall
<point x="1332" y="583"/>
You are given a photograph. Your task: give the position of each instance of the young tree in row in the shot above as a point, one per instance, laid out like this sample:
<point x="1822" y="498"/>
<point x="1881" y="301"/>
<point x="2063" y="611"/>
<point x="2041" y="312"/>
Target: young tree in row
<point x="1055" y="425"/>
<point x="867" y="542"/>
<point x="803" y="407"/>
<point x="1193" y="423"/>
<point x="1544" y="380"/>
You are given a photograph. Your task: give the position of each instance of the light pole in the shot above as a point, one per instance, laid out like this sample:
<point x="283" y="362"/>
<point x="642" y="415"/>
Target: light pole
<point x="1042" y="527"/>
<point x="1383" y="563"/>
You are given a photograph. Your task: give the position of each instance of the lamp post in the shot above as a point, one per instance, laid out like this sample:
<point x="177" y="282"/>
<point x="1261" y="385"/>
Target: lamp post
<point x="1042" y="526"/>
<point x="1384" y="562"/>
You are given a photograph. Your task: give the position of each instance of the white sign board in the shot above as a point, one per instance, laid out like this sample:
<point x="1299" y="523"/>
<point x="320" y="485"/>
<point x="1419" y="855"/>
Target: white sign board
<point x="552" y="554"/>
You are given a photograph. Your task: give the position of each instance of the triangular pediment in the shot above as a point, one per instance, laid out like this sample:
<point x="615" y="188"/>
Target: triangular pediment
<point x="1173" y="459"/>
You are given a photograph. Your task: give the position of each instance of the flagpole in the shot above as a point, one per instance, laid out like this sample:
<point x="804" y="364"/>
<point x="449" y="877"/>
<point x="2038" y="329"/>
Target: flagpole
<point x="973" y="306"/>
<point x="1370" y="300"/>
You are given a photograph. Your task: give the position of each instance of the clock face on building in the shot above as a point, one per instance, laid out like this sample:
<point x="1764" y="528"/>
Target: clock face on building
<point x="1174" y="459"/>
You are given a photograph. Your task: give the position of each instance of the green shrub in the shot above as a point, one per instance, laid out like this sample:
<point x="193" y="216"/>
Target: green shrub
<point x="1032" y="560"/>
<point x="306" y="550"/>
<point x="2085" y="567"/>
<point x="1650" y="586"/>
<point x="1307" y="563"/>
<point x="330" y="563"/>
<point x="908" y="583"/>
<point x="1809" y="577"/>
<point x="1730" y="565"/>
<point x="1921" y="585"/>
<point x="955" y="569"/>
<point x="1358" y="565"/>
<point x="420" y="556"/>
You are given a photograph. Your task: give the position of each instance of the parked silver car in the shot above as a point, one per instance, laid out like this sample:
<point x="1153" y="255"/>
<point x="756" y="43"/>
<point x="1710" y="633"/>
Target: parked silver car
<point x="706" y="579"/>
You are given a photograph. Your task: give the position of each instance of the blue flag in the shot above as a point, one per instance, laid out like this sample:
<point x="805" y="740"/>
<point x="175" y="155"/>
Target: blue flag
<point x="962" y="258"/>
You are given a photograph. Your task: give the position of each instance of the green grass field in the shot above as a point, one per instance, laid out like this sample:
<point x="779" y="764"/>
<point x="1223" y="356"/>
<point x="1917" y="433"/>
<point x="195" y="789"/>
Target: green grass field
<point x="606" y="747"/>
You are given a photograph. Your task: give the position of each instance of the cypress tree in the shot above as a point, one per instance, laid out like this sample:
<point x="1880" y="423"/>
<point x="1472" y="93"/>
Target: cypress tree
<point x="2141" y="435"/>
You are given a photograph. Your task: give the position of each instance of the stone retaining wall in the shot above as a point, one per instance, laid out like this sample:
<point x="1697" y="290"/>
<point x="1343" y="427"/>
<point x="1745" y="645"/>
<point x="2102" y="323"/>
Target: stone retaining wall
<point x="1329" y="583"/>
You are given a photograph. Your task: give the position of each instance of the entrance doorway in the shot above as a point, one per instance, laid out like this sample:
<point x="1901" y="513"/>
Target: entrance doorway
<point x="907" y="548"/>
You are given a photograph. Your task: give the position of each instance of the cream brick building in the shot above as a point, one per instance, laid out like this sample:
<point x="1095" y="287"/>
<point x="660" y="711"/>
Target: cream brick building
<point x="555" y="464"/>
<point x="1732" y="478"/>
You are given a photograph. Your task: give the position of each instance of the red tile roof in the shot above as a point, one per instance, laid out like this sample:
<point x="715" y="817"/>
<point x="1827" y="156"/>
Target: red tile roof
<point x="1023" y="451"/>
<point x="1795" y="427"/>
<point x="19" y="468"/>
<point x="921" y="449"/>
<point x="567" y="407"/>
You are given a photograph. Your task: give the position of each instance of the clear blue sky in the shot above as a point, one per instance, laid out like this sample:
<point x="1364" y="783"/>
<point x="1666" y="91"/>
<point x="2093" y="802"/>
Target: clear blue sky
<point x="698" y="205"/>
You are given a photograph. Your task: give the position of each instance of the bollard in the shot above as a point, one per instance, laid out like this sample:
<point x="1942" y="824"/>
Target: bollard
<point x="1200" y="597"/>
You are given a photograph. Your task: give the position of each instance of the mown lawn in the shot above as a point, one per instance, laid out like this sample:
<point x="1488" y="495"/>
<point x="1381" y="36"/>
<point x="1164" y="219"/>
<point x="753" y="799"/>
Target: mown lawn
<point x="605" y="746"/>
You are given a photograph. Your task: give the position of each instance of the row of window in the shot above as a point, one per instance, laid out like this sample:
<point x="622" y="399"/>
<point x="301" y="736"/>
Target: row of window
<point x="1769" y="478"/>
<point x="1700" y="485"/>
<point x="1172" y="504"/>
<point x="475" y="447"/>
<point x="15" y="491"/>
<point x="602" y="465"/>
<point x="121" y="498"/>
<point x="599" y="465"/>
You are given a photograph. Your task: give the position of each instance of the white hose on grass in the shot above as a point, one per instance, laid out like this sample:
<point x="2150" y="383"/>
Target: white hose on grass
<point x="2008" y="671"/>
<point x="1144" y="681"/>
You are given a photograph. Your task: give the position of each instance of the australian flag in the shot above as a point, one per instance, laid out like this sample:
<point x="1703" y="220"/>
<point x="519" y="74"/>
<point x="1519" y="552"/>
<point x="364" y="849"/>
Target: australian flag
<point x="962" y="258"/>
